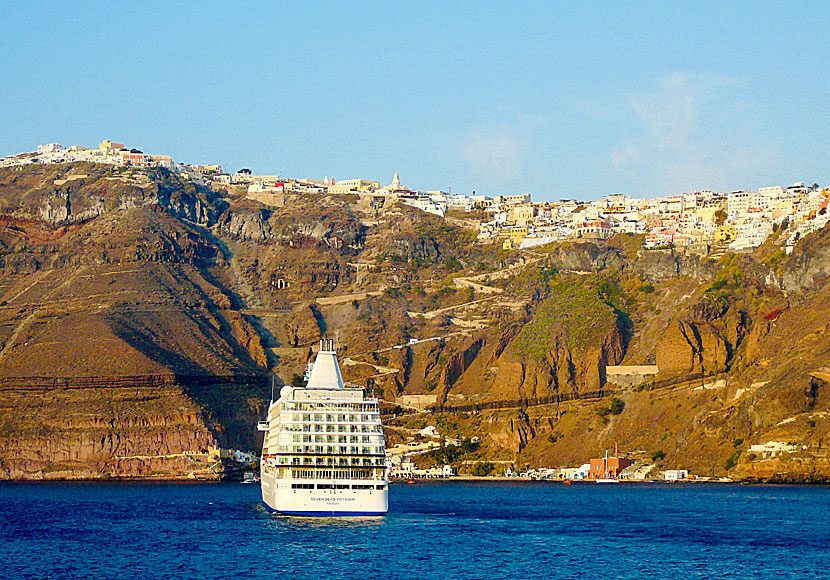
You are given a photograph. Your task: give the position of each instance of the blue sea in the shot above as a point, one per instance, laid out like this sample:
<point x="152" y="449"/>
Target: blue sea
<point x="439" y="530"/>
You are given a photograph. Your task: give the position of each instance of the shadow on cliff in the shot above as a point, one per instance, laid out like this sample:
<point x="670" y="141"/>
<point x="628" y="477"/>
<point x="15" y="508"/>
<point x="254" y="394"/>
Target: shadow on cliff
<point x="134" y="330"/>
<point x="231" y="397"/>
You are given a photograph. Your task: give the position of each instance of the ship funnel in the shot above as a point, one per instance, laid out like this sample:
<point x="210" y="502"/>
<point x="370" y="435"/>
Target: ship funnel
<point x="325" y="373"/>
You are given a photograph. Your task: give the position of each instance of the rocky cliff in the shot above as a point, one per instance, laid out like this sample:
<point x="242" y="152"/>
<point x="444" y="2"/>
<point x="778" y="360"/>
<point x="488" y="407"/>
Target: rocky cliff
<point x="141" y="316"/>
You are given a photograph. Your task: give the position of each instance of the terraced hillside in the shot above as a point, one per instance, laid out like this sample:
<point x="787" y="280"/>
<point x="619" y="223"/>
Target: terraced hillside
<point x="141" y="317"/>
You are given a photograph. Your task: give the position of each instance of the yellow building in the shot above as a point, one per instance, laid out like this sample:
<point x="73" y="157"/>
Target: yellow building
<point x="354" y="186"/>
<point x="514" y="236"/>
<point x="522" y="214"/>
<point x="109" y="147"/>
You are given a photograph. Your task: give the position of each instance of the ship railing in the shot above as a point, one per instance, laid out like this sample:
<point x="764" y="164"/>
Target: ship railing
<point x="351" y="477"/>
<point x="310" y="422"/>
<point x="367" y="405"/>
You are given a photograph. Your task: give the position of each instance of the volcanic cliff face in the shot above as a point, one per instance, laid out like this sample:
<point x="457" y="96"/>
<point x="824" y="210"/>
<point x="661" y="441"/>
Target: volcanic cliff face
<point x="112" y="293"/>
<point x="141" y="316"/>
<point x="76" y="430"/>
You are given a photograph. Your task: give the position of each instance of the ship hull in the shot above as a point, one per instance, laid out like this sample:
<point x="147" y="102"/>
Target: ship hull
<point x="281" y="498"/>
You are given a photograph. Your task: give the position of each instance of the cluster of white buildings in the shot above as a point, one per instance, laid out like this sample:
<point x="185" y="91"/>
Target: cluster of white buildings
<point x="518" y="222"/>
<point x="694" y="221"/>
<point x="752" y="216"/>
<point x="739" y="220"/>
<point x="632" y="473"/>
<point x="399" y="461"/>
<point x="108" y="152"/>
<point x="269" y="189"/>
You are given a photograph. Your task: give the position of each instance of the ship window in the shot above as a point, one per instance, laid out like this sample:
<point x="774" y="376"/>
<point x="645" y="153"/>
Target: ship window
<point x="340" y="486"/>
<point x="380" y="487"/>
<point x="324" y="486"/>
<point x="362" y="486"/>
<point x="302" y="486"/>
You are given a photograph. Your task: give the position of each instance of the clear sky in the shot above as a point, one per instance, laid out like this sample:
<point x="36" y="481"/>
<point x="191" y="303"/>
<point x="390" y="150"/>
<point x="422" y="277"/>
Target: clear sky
<point x="542" y="97"/>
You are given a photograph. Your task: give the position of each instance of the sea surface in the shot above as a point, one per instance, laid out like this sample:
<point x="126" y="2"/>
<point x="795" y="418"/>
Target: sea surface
<point x="436" y="530"/>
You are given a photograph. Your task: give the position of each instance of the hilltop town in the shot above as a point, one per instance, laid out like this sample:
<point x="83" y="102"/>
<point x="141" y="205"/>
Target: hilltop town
<point x="696" y="222"/>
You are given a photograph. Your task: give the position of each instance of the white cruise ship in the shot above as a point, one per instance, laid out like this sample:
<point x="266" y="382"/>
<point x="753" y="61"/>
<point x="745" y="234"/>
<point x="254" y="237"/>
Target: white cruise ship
<point x="323" y="453"/>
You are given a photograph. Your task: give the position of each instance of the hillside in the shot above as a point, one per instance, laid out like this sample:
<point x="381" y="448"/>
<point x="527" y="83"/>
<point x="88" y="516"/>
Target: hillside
<point x="141" y="317"/>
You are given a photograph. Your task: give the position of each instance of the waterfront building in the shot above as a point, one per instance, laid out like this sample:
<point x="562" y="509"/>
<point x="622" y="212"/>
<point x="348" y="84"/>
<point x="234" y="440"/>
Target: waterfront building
<point x="675" y="474"/>
<point x="607" y="467"/>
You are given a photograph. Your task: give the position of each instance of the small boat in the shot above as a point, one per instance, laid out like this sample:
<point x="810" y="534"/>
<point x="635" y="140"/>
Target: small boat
<point x="567" y="482"/>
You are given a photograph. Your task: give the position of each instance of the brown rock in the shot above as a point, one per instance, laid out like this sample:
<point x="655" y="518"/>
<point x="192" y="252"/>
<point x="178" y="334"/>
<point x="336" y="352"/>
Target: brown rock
<point x="678" y="350"/>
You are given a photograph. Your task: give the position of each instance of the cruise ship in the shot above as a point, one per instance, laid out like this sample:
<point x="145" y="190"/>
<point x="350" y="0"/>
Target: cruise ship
<point x="323" y="451"/>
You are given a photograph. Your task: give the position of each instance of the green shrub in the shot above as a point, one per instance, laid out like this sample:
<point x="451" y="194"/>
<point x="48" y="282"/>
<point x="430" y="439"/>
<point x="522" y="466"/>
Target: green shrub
<point x="733" y="460"/>
<point x="483" y="469"/>
<point x="615" y="407"/>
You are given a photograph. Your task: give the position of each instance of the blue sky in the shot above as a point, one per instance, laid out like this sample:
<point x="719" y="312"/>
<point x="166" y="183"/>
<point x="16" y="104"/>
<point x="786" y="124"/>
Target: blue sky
<point x="539" y="97"/>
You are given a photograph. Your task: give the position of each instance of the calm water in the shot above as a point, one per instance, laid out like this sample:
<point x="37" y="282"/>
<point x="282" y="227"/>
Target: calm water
<point x="433" y="531"/>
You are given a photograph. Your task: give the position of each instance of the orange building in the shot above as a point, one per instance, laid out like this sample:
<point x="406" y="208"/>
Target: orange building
<point x="608" y="466"/>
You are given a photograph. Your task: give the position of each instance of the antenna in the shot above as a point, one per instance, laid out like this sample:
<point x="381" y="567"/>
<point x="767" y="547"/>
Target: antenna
<point x="272" y="388"/>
